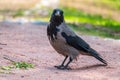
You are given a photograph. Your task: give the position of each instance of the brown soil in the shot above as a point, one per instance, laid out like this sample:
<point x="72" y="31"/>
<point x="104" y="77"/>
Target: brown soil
<point x="28" y="42"/>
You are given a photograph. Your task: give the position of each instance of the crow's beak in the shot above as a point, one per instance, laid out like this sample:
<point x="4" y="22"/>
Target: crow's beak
<point x="57" y="13"/>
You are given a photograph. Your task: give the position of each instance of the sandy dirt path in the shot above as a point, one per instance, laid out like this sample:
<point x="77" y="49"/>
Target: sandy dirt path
<point x="28" y="42"/>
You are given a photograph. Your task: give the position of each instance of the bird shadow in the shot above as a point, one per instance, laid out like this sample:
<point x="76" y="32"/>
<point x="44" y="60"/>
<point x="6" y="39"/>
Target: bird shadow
<point x="89" y="67"/>
<point x="81" y="68"/>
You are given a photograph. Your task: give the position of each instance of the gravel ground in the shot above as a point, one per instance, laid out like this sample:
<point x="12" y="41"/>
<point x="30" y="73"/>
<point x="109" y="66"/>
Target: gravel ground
<point x="28" y="42"/>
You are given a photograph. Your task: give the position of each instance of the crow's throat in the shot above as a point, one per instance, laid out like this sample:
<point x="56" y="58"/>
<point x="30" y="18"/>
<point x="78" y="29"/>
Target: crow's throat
<point x="56" y="21"/>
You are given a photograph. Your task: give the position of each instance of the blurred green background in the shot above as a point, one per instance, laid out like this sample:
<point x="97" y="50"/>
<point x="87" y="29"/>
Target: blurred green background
<point x="90" y="17"/>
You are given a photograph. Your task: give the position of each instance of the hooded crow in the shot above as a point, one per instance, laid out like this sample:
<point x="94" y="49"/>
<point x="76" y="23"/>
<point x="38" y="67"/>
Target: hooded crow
<point x="66" y="42"/>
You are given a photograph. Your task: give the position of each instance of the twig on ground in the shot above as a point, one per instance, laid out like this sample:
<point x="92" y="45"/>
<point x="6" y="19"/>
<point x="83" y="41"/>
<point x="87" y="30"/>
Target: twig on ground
<point x="2" y="44"/>
<point x="7" y="58"/>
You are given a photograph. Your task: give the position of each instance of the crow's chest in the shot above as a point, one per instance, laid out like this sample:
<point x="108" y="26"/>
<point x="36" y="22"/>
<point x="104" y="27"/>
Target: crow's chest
<point x="52" y="33"/>
<point x="58" y="43"/>
<point x="60" y="46"/>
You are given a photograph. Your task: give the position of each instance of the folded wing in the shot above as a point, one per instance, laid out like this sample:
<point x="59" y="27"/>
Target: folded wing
<point x="81" y="45"/>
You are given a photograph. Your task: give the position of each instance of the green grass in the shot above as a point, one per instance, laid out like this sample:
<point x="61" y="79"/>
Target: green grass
<point x="74" y="15"/>
<point x="92" y="31"/>
<point x="107" y="8"/>
<point x="18" y="13"/>
<point x="23" y="65"/>
<point x="18" y="65"/>
<point x="105" y="27"/>
<point x="77" y="16"/>
<point x="110" y="4"/>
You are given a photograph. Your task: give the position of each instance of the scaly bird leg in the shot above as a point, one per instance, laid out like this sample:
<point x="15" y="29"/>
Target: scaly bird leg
<point x="66" y="66"/>
<point x="62" y="65"/>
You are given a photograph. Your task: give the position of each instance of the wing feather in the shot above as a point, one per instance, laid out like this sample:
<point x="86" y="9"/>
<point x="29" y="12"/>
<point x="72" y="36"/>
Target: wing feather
<point x="76" y="42"/>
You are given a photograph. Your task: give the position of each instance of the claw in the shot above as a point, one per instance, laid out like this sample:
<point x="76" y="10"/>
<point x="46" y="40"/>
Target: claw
<point x="59" y="67"/>
<point x="63" y="67"/>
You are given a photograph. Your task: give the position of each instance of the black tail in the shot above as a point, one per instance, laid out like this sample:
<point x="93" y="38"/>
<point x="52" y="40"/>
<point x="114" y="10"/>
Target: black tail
<point x="97" y="56"/>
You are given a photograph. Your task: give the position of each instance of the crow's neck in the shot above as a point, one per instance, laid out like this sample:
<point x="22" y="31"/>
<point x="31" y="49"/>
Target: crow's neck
<point x="56" y="22"/>
<point x="52" y="29"/>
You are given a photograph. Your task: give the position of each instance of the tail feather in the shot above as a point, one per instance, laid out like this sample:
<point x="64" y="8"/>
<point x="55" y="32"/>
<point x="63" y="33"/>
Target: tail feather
<point x="97" y="56"/>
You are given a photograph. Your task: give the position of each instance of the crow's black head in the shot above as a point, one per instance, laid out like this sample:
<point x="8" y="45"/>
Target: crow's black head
<point x="57" y="13"/>
<point x="57" y="17"/>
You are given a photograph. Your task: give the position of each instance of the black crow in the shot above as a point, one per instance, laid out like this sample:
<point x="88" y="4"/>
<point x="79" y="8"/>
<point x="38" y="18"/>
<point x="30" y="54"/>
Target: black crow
<point x="66" y="42"/>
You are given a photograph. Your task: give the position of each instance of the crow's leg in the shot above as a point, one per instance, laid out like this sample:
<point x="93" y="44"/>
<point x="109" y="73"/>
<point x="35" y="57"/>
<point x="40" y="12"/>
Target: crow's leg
<point x="66" y="66"/>
<point x="64" y="61"/>
<point x="62" y="65"/>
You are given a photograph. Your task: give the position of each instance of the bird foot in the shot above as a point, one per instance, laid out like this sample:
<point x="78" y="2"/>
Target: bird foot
<point x="63" y="67"/>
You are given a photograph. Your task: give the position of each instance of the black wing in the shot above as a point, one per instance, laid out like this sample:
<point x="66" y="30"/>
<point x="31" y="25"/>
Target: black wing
<point x="80" y="44"/>
<point x="76" y="42"/>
